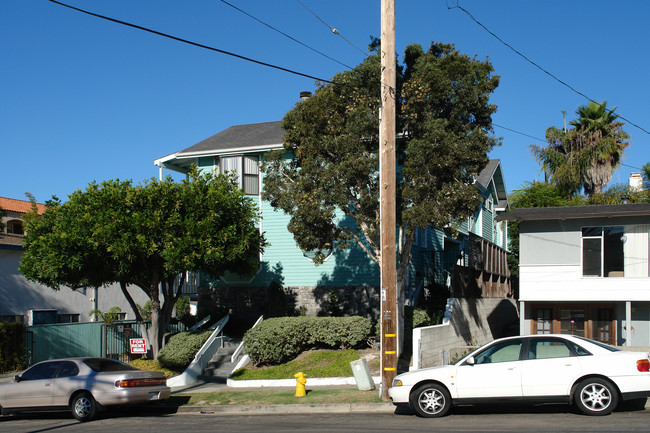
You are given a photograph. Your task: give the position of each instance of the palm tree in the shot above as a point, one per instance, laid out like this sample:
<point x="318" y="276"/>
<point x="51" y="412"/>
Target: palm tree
<point x="583" y="157"/>
<point x="601" y="140"/>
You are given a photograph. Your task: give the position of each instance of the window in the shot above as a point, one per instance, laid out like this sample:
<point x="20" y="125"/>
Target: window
<point x="505" y="351"/>
<point x="102" y="365"/>
<point x="67" y="318"/>
<point x="594" y="321"/>
<point x="545" y="348"/>
<point x="68" y="369"/>
<point x="602" y="252"/>
<point x="247" y="170"/>
<point x="544" y="320"/>
<point x="44" y="370"/>
<point x="572" y="322"/>
<point x="15" y="227"/>
<point x="11" y="318"/>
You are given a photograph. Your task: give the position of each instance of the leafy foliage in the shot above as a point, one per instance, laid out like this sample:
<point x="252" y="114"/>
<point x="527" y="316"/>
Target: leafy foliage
<point x="109" y="317"/>
<point x="12" y="350"/>
<point x="181" y="348"/>
<point x="326" y="177"/>
<point x="145" y="236"/>
<point x="279" y="339"/>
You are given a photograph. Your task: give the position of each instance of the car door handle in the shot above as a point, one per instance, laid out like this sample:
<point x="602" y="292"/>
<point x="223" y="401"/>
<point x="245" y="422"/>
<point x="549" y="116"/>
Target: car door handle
<point x="48" y="384"/>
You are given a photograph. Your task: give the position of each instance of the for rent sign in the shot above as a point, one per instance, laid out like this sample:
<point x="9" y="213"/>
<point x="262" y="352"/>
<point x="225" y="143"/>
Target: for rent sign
<point x="138" y="345"/>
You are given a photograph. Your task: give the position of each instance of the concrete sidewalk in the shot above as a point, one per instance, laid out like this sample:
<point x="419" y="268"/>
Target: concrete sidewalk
<point x="208" y="387"/>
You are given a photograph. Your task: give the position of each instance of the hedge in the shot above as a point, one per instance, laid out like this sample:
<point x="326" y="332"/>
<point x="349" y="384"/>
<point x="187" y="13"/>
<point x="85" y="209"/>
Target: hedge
<point x="12" y="346"/>
<point x="281" y="339"/>
<point x="181" y="348"/>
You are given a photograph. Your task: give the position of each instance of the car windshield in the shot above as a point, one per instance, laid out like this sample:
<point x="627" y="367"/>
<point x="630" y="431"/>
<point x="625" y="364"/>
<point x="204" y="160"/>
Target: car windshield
<point x="599" y="344"/>
<point x="101" y="365"/>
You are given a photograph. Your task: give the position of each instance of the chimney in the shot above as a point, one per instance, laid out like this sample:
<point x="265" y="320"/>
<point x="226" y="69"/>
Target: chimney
<point x="636" y="182"/>
<point x="304" y="96"/>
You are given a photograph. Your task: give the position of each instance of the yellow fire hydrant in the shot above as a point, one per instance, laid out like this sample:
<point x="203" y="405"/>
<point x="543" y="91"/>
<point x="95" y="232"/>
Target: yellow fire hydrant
<point x="301" y="380"/>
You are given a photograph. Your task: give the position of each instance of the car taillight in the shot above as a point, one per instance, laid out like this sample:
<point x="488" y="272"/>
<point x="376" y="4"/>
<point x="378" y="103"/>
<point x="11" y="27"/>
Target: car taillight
<point x="130" y="383"/>
<point x="643" y="365"/>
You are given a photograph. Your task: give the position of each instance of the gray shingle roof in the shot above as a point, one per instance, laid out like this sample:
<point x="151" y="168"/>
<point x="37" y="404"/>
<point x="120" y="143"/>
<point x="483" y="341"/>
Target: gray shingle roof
<point x="571" y="212"/>
<point x="486" y="174"/>
<point x="251" y="135"/>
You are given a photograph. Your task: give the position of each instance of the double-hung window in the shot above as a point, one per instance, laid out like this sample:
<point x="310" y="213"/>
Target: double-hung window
<point x="246" y="169"/>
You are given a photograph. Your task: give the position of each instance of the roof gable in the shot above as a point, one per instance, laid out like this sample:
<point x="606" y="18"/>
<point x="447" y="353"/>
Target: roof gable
<point x="491" y="179"/>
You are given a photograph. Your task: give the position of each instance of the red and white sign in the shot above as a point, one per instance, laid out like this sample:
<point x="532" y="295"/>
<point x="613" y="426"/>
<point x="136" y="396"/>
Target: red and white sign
<point x="138" y="345"/>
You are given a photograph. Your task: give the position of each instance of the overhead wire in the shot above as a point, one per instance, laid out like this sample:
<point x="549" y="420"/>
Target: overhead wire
<point x="284" y="34"/>
<point x="538" y="66"/>
<point x="196" y="44"/>
<point x="334" y="30"/>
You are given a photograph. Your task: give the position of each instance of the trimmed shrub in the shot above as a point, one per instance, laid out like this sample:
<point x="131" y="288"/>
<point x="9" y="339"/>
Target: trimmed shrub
<point x="280" y="339"/>
<point x="181" y="348"/>
<point x="12" y="348"/>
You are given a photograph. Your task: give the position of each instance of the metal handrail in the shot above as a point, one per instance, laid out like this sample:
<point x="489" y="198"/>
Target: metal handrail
<point x="240" y="349"/>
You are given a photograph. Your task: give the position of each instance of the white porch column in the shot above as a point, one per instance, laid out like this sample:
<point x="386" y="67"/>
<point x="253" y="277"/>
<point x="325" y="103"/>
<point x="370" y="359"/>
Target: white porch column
<point x="160" y="172"/>
<point x="628" y="323"/>
<point x="522" y="318"/>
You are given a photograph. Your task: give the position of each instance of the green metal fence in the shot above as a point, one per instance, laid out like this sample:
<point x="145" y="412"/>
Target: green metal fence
<point x="65" y="340"/>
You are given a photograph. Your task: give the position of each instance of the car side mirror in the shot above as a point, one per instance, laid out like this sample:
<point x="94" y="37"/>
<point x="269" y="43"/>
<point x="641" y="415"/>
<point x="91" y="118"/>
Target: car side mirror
<point x="470" y="361"/>
<point x="17" y="378"/>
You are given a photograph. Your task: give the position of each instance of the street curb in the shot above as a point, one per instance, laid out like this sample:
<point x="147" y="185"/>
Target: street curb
<point x="288" y="409"/>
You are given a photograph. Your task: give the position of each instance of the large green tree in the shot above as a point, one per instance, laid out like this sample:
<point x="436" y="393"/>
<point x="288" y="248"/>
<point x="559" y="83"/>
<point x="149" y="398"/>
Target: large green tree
<point x="326" y="177"/>
<point x="585" y="156"/>
<point x="145" y="236"/>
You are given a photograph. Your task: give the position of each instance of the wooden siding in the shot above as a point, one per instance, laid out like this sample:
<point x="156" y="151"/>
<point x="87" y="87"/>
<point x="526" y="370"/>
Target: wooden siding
<point x="284" y="263"/>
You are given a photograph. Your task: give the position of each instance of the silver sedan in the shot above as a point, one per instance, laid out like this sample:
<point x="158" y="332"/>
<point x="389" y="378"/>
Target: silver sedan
<point x="82" y="385"/>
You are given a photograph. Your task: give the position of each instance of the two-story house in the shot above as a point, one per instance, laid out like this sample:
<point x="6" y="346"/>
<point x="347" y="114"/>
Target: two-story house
<point x="584" y="270"/>
<point x="347" y="277"/>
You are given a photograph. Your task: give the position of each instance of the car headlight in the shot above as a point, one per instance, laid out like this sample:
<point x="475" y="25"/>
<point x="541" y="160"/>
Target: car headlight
<point x="397" y="382"/>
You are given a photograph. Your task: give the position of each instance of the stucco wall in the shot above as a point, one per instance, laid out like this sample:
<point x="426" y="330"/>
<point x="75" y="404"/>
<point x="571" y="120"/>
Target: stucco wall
<point x="468" y="323"/>
<point x="18" y="295"/>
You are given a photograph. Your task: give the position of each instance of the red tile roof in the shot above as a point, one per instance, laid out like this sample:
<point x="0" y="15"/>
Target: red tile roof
<point x="21" y="206"/>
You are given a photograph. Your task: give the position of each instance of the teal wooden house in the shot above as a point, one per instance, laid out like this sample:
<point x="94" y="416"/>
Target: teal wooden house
<point x="470" y="258"/>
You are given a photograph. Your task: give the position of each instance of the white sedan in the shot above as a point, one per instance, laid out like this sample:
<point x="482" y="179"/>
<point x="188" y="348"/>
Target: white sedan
<point x="535" y="369"/>
<point x="82" y="385"/>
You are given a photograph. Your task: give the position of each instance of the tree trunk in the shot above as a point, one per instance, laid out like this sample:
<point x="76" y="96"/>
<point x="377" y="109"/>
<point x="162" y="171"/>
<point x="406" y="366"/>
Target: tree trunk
<point x="154" y="332"/>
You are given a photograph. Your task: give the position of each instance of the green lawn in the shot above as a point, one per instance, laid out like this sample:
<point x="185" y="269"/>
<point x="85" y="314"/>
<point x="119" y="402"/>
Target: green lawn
<point x="326" y="363"/>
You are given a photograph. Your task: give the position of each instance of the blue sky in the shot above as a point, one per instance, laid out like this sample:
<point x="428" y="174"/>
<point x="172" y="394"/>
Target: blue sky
<point x="84" y="99"/>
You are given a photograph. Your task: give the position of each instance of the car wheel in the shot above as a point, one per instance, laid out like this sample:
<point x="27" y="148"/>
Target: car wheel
<point x="596" y="396"/>
<point x="431" y="400"/>
<point x="84" y="407"/>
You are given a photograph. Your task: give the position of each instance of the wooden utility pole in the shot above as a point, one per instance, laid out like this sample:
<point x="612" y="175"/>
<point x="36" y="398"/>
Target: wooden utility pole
<point x="387" y="161"/>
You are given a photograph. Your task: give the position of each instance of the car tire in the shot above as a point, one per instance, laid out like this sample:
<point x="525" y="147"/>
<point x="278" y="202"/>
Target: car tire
<point x="431" y="400"/>
<point x="84" y="407"/>
<point x="596" y="396"/>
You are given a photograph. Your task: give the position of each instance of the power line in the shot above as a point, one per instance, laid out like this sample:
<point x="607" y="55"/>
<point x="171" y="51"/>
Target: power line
<point x="335" y="31"/>
<point x="539" y="67"/>
<point x="520" y="133"/>
<point x="545" y="141"/>
<point x="284" y="34"/>
<point x="185" y="41"/>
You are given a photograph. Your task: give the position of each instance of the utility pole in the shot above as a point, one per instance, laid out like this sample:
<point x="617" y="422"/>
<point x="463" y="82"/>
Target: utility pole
<point x="387" y="195"/>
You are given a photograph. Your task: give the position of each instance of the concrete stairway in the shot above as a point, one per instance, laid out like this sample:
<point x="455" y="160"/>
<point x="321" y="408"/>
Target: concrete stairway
<point x="220" y="367"/>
